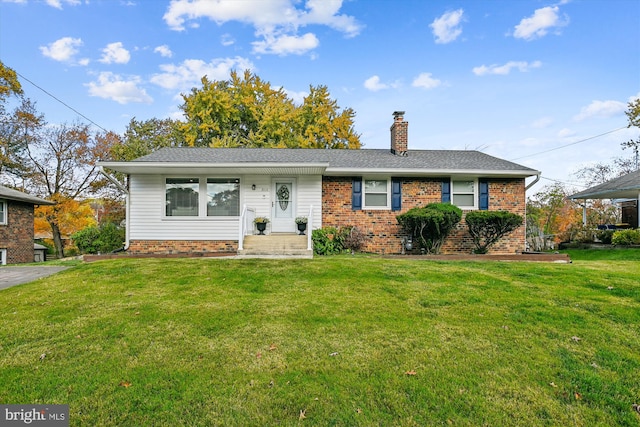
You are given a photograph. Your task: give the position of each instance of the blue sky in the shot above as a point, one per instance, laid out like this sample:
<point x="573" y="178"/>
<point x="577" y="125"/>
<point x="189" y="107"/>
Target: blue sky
<point x="529" y="81"/>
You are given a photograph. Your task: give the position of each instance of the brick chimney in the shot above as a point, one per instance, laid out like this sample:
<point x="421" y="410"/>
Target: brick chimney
<point x="399" y="134"/>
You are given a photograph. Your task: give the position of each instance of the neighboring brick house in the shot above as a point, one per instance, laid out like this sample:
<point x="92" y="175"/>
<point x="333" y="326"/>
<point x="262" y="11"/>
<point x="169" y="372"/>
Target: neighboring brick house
<point x="199" y="199"/>
<point x="16" y="225"/>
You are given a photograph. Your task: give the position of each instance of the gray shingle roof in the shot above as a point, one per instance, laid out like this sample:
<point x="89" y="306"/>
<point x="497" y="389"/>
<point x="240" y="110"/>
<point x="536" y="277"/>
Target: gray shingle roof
<point x="626" y="186"/>
<point x="429" y="161"/>
<point x="10" y="194"/>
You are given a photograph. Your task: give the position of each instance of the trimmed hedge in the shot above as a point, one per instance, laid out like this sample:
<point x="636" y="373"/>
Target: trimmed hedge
<point x="103" y="239"/>
<point x="430" y="225"/>
<point x="487" y="227"/>
<point x="626" y="237"/>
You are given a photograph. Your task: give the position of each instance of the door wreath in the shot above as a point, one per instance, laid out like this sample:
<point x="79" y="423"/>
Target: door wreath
<point x="283" y="197"/>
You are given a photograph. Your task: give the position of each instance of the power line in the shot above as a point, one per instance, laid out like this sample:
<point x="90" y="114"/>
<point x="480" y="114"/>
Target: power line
<point x="573" y="143"/>
<point x="63" y="103"/>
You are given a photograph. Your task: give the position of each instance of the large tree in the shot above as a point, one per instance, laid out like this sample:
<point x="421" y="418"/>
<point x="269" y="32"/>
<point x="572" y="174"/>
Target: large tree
<point x="12" y="141"/>
<point x="144" y="137"/>
<point x="62" y="160"/>
<point x="246" y="111"/>
<point x="633" y="115"/>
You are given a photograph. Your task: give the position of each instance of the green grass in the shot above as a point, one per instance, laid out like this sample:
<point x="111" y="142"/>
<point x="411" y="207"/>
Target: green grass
<point x="255" y="342"/>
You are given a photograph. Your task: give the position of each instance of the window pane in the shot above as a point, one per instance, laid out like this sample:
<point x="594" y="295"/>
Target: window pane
<point x="463" y="199"/>
<point x="223" y="197"/>
<point x="182" y="196"/>
<point x="375" y="200"/>
<point x="375" y="186"/>
<point x="463" y="186"/>
<point x="2" y="211"/>
<point x="375" y="193"/>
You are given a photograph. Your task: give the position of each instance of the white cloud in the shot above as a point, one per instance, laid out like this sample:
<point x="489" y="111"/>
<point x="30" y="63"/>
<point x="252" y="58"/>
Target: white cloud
<point x="425" y="81"/>
<point x="284" y="44"/>
<point x="539" y="24"/>
<point x="227" y="39"/>
<point x="373" y="84"/>
<point x="188" y="74"/>
<point x="505" y="69"/>
<point x="115" y="53"/>
<point x="601" y="109"/>
<point x="297" y="97"/>
<point x="164" y="51"/>
<point x="276" y="23"/>
<point x="114" y="87"/>
<point x="58" y="3"/>
<point x="447" y="27"/>
<point x="566" y="133"/>
<point x="62" y="50"/>
<point x="542" y="123"/>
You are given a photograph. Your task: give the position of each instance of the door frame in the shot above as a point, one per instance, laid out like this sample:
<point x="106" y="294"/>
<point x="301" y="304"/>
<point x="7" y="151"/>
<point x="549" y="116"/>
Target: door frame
<point x="285" y="225"/>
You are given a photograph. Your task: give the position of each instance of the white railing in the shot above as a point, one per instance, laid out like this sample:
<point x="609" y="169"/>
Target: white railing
<point x="310" y="229"/>
<point x="246" y="224"/>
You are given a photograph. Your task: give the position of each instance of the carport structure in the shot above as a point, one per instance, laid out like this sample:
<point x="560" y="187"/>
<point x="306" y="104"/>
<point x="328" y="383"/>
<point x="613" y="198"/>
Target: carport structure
<point x="624" y="189"/>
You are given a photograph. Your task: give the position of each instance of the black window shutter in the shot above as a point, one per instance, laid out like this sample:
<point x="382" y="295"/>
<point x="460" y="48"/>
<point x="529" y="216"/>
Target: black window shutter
<point x="446" y="191"/>
<point x="396" y="194"/>
<point x="484" y="195"/>
<point x="356" y="194"/>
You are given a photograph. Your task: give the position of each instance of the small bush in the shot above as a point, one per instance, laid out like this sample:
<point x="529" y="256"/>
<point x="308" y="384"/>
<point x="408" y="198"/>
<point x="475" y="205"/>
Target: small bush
<point x="103" y="239"/>
<point x="605" y="236"/>
<point x="487" y="227"/>
<point x="626" y="237"/>
<point x="430" y="225"/>
<point x="354" y="239"/>
<point x="333" y="241"/>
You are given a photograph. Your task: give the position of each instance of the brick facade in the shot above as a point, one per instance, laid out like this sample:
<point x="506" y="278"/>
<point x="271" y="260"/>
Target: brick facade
<point x="17" y="235"/>
<point x="182" y="246"/>
<point x="381" y="227"/>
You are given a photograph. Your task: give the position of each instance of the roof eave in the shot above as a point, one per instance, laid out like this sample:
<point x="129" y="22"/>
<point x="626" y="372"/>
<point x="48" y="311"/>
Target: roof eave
<point x="489" y="173"/>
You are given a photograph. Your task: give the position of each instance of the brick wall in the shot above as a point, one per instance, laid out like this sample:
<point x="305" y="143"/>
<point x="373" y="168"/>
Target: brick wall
<point x="381" y="227"/>
<point x="17" y="235"/>
<point x="182" y="246"/>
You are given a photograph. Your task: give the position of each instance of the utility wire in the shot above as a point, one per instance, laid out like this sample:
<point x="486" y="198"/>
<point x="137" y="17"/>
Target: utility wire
<point x="573" y="143"/>
<point x="63" y="103"/>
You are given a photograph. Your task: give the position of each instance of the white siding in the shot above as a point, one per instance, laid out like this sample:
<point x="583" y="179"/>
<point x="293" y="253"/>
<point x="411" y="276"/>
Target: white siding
<point x="310" y="194"/>
<point x="147" y="202"/>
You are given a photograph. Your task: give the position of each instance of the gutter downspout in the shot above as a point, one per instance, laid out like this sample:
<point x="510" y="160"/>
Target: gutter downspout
<point x="531" y="184"/>
<point x="534" y="182"/>
<point x="117" y="183"/>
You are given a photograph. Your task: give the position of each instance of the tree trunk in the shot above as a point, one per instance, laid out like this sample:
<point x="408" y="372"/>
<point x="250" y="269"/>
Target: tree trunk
<point x="57" y="239"/>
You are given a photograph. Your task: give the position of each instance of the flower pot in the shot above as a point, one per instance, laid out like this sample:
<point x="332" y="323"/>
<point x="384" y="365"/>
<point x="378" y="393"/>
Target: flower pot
<point x="301" y="228"/>
<point x="261" y="226"/>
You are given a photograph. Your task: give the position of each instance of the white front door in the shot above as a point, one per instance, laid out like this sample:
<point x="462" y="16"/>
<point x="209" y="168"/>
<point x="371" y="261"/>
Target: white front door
<point x="283" y="206"/>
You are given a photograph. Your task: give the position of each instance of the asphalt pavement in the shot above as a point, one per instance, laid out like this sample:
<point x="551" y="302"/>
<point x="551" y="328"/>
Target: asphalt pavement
<point x="11" y="276"/>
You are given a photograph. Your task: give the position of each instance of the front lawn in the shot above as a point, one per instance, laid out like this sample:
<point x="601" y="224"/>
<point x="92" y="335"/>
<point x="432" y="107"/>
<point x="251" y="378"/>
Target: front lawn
<point x="330" y="341"/>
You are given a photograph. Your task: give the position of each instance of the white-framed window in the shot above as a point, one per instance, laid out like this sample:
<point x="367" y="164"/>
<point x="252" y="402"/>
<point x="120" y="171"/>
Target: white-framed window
<point x="223" y="197"/>
<point x="3" y="212"/>
<point x="3" y="257"/>
<point x="182" y="196"/>
<point x="377" y="193"/>
<point x="201" y="197"/>
<point x="464" y="193"/>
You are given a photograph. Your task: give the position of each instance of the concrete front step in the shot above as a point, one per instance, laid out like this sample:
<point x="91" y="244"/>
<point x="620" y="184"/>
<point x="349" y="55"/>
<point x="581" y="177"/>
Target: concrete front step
<point x="275" y="245"/>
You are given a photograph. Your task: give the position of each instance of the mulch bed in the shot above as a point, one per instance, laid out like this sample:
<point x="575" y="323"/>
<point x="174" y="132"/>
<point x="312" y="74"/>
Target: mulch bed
<point x="521" y="257"/>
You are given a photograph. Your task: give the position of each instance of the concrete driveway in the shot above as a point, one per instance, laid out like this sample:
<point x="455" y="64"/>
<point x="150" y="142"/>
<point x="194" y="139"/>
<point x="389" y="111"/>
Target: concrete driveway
<point x="11" y="276"/>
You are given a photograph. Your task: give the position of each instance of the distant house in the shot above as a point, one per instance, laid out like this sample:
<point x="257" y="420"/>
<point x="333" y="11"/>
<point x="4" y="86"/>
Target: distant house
<point x="625" y="190"/>
<point x="203" y="199"/>
<point x="16" y="225"/>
